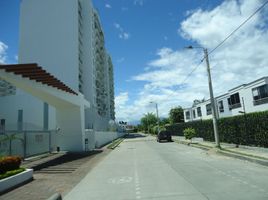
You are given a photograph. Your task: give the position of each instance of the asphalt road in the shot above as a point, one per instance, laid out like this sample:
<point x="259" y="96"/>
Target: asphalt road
<point x="141" y="168"/>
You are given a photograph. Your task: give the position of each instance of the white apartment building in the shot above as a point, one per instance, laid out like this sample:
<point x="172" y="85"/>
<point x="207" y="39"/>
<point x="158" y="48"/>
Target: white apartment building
<point x="246" y="98"/>
<point x="65" y="38"/>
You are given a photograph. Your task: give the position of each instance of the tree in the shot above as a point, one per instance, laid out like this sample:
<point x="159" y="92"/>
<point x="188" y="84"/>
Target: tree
<point x="148" y="120"/>
<point x="176" y="115"/>
<point x="164" y="121"/>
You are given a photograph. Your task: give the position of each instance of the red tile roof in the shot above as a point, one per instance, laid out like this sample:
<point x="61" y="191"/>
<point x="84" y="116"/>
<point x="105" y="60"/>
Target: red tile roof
<point x="36" y="73"/>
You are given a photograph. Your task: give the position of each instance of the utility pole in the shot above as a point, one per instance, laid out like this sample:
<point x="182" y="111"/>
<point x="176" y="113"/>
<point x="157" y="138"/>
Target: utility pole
<point x="156" y="108"/>
<point x="213" y="105"/>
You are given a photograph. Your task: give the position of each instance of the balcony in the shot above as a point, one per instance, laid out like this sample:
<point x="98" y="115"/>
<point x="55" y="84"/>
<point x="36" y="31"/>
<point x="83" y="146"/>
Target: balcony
<point x="234" y="106"/>
<point x="260" y="101"/>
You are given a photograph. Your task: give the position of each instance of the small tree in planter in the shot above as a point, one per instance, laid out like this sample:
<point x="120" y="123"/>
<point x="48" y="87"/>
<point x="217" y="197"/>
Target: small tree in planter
<point x="189" y="133"/>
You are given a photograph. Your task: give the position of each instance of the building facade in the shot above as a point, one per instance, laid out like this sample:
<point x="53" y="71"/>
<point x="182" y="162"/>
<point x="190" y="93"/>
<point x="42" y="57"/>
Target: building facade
<point x="246" y="98"/>
<point x="65" y="37"/>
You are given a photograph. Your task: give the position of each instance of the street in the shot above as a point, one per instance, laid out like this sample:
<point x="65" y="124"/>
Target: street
<point x="141" y="168"/>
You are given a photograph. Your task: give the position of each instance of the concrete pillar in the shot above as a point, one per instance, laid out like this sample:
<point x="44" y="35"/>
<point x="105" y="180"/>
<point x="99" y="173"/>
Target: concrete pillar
<point x="71" y="122"/>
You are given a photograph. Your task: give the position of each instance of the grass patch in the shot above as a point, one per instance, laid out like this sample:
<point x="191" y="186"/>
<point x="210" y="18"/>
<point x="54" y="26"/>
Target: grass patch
<point x="11" y="173"/>
<point x="115" y="143"/>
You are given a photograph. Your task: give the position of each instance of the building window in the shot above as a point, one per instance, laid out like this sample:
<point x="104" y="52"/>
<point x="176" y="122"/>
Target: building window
<point x="187" y="113"/>
<point x="208" y="107"/>
<point x="260" y="94"/>
<point x="194" y="113"/>
<point x="234" y="101"/>
<point x="199" y="113"/>
<point x="2" y="126"/>
<point x="221" y="107"/>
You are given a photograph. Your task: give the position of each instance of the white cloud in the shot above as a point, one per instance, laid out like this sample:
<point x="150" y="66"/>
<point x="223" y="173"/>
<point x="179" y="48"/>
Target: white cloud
<point x="3" y="56"/>
<point x="124" y="8"/>
<point x="243" y="58"/>
<point x="122" y="33"/>
<point x="108" y="6"/>
<point x="124" y="36"/>
<point x="121" y="105"/>
<point x="139" y="2"/>
<point x="120" y="60"/>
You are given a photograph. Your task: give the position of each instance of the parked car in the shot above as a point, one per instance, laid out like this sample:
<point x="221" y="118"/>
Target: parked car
<point x="164" y="135"/>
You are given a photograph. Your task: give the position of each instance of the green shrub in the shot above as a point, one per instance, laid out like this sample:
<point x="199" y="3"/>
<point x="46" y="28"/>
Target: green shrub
<point x="249" y="129"/>
<point x="9" y="163"/>
<point x="11" y="173"/>
<point x="189" y="133"/>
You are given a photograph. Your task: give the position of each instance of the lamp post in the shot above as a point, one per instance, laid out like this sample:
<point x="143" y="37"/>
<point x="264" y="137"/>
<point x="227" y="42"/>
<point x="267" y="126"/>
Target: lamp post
<point x="213" y="105"/>
<point x="156" y="108"/>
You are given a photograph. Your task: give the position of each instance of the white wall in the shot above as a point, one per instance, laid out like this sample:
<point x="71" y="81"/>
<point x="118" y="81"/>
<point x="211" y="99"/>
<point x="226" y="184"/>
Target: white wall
<point x="245" y="92"/>
<point x="248" y="98"/>
<point x="32" y="111"/>
<point x="49" y="37"/>
<point x="102" y="138"/>
<point x="227" y="112"/>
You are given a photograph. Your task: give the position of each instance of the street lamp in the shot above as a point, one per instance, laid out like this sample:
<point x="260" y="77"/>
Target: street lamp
<point x="156" y="108"/>
<point x="213" y="105"/>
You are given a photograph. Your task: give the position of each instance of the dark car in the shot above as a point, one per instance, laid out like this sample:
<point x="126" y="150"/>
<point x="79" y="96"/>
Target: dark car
<point x="164" y="135"/>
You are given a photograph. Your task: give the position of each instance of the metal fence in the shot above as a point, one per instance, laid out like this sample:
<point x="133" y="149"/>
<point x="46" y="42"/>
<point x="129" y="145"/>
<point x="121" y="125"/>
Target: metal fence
<point x="27" y="143"/>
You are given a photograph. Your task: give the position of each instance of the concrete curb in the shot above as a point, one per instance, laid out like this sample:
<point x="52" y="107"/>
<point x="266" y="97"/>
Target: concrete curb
<point x="244" y="157"/>
<point x="56" y="196"/>
<point x="240" y="156"/>
<point x="15" y="181"/>
<point x="116" y="143"/>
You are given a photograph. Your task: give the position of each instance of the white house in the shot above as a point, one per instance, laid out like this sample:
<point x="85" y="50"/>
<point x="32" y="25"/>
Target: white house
<point x="65" y="38"/>
<point x="246" y="98"/>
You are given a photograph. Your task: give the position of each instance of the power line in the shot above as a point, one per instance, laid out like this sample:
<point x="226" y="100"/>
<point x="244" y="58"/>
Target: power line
<point x="188" y="75"/>
<point x="221" y="43"/>
<point x="193" y="70"/>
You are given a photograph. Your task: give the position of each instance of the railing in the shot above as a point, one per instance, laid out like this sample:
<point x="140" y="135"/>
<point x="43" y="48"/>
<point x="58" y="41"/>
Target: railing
<point x="234" y="106"/>
<point x="260" y="101"/>
<point x="27" y="143"/>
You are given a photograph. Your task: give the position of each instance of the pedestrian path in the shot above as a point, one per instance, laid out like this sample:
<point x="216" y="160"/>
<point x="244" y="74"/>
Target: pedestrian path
<point x="242" y="149"/>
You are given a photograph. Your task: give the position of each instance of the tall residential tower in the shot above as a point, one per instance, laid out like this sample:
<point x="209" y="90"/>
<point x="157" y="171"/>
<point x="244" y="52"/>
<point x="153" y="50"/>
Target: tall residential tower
<point x="65" y="38"/>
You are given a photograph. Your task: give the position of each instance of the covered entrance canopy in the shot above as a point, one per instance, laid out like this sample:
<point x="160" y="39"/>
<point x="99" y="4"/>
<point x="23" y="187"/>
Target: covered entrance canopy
<point x="70" y="105"/>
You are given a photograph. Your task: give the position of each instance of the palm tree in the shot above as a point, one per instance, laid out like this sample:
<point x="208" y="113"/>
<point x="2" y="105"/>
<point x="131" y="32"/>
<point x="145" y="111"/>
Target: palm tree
<point x="10" y="138"/>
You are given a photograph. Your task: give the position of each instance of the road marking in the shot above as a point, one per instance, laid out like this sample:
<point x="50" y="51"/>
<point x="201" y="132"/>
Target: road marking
<point x="120" y="180"/>
<point x="253" y="186"/>
<point x="245" y="182"/>
<point x="137" y="181"/>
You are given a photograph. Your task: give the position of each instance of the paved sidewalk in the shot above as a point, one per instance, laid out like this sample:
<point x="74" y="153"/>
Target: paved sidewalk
<point x="58" y="175"/>
<point x="246" y="150"/>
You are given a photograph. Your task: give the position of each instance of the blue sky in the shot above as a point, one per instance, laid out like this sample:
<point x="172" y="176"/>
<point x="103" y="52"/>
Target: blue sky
<point x="146" y="38"/>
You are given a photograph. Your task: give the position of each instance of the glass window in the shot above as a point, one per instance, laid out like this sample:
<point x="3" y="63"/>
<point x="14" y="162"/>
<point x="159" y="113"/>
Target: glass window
<point x="221" y="107"/>
<point x="194" y="113"/>
<point x="235" y="99"/>
<point x="208" y="107"/>
<point x="199" y="113"/>
<point x="260" y="92"/>
<point x="187" y="113"/>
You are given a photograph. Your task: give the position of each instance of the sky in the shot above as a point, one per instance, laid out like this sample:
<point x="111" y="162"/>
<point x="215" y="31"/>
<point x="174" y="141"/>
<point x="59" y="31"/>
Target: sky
<point x="146" y="40"/>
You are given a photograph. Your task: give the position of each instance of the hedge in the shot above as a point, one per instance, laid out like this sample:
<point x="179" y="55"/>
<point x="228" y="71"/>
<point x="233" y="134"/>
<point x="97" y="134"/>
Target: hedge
<point x="248" y="129"/>
<point x="9" y="163"/>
